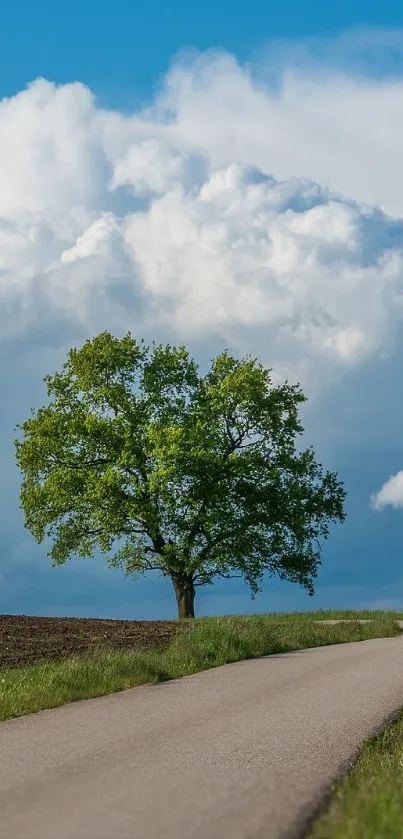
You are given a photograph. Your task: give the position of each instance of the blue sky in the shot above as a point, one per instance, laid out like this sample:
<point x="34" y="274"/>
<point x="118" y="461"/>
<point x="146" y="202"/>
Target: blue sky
<point x="121" y="49"/>
<point x="220" y="175"/>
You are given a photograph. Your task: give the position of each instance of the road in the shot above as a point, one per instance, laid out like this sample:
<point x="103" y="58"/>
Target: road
<point x="244" y="751"/>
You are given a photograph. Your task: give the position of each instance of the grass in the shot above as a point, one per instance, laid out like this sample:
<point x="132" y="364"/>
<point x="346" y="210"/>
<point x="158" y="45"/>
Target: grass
<point x="27" y="639"/>
<point x="200" y="645"/>
<point x="338" y="614"/>
<point x="368" y="803"/>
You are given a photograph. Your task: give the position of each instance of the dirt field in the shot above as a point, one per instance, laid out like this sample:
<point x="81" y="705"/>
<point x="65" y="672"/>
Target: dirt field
<point x="25" y="639"/>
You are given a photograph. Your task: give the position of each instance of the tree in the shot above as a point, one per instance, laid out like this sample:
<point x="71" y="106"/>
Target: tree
<point x="198" y="475"/>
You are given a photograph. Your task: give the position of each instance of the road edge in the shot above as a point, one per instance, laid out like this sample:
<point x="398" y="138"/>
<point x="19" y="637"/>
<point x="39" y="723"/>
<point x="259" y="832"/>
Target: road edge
<point x="309" y="814"/>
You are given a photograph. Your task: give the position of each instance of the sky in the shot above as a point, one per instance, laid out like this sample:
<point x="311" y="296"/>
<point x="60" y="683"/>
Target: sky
<point x="222" y="176"/>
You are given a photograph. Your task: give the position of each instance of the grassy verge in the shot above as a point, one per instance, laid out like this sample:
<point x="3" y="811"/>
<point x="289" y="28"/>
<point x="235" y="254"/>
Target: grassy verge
<point x="337" y="614"/>
<point x="204" y="643"/>
<point x="368" y="804"/>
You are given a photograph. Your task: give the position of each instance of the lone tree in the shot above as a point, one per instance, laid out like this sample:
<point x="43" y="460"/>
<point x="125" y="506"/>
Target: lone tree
<point x="199" y="475"/>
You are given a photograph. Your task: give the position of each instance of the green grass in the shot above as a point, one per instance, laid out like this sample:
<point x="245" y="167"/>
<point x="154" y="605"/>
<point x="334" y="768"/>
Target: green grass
<point x="204" y="643"/>
<point x="368" y="803"/>
<point x="336" y="614"/>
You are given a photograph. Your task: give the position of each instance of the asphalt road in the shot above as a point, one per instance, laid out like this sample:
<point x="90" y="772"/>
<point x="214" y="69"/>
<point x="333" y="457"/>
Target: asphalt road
<point x="243" y="751"/>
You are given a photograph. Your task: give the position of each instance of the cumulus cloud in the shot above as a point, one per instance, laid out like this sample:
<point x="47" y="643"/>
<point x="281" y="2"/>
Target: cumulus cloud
<point x="328" y="123"/>
<point x="390" y="494"/>
<point x="195" y="213"/>
<point x="288" y="255"/>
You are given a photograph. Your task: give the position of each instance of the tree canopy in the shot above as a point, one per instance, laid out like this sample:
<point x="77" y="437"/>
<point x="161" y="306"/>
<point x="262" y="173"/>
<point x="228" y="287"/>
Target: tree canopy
<point x="198" y="476"/>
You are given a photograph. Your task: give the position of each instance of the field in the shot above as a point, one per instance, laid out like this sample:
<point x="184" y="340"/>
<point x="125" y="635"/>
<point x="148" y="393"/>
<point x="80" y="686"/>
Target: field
<point x="25" y="640"/>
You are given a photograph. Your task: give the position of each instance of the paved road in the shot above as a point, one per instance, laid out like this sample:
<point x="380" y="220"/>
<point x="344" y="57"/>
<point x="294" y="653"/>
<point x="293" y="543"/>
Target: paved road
<point x="239" y="752"/>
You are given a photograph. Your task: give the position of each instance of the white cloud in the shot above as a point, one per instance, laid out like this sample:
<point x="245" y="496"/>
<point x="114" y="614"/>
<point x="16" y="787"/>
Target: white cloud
<point x="238" y="253"/>
<point x="50" y="155"/>
<point x="390" y="494"/>
<point x="328" y="124"/>
<point x="169" y="209"/>
<point x="95" y="241"/>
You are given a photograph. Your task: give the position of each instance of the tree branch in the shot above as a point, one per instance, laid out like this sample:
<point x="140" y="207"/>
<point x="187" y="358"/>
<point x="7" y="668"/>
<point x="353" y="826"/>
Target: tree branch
<point x="85" y="465"/>
<point x="149" y="567"/>
<point x="204" y="580"/>
<point x="210" y="543"/>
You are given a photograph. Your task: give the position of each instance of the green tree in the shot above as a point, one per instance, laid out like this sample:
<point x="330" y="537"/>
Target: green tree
<point x="198" y="475"/>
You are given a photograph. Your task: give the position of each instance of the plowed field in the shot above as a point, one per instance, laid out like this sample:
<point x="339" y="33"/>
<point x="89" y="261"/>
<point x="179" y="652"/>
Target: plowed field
<point x="25" y="639"/>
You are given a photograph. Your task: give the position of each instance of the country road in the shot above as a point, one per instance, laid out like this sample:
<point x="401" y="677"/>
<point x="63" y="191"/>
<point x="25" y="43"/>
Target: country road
<point x="243" y="751"/>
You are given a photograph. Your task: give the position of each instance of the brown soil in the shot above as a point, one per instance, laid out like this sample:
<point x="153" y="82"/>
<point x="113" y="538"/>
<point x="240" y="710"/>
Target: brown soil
<point x="25" y="639"/>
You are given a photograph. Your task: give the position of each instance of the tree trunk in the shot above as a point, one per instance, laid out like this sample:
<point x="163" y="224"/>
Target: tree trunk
<point x="185" y="595"/>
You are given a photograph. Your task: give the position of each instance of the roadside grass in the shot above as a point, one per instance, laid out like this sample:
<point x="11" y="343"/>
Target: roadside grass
<point x="368" y="803"/>
<point x="337" y="614"/>
<point x="202" y="644"/>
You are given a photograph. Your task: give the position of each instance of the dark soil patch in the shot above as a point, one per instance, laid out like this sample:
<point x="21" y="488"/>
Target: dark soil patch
<point x="25" y="639"/>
